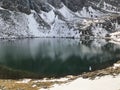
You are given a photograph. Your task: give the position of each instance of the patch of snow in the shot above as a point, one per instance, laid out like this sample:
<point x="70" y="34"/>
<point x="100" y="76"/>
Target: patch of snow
<point x="34" y="85"/>
<point x="58" y="28"/>
<point x="24" y="81"/>
<point x="83" y="13"/>
<point x="48" y="17"/>
<point x="116" y="66"/>
<point x="115" y="33"/>
<point x="89" y="12"/>
<point x="33" y="25"/>
<point x="98" y="31"/>
<point x="2" y="8"/>
<point x="115" y="36"/>
<point x="15" y="27"/>
<point x="67" y="13"/>
<point x="61" y="29"/>
<point x="103" y="83"/>
<point x="52" y="80"/>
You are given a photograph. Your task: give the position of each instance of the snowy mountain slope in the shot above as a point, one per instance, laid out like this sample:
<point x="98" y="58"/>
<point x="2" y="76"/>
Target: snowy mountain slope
<point x="58" y="18"/>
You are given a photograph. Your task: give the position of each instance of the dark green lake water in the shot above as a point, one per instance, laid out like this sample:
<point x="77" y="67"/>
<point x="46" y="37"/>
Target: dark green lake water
<point x="54" y="57"/>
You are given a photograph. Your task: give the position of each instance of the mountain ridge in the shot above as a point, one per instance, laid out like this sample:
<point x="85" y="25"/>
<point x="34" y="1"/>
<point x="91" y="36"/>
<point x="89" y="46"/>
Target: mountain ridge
<point x="58" y="18"/>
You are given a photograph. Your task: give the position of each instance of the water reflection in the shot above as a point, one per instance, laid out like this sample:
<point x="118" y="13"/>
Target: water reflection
<point x="57" y="57"/>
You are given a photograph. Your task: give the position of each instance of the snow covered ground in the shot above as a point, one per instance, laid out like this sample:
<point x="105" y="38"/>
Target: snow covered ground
<point x="103" y="83"/>
<point x="115" y="36"/>
<point x="58" y="22"/>
<point x="107" y="82"/>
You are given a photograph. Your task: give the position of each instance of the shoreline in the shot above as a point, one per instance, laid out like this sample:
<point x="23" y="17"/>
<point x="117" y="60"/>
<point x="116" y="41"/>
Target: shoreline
<point x="99" y="78"/>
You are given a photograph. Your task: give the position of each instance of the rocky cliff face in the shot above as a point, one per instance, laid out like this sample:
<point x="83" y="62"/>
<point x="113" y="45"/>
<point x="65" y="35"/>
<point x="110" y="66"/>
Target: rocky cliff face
<point x="58" y="18"/>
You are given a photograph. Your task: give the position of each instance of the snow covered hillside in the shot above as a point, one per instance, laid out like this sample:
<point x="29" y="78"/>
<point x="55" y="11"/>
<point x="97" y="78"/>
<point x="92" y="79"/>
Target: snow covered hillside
<point x="61" y="18"/>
